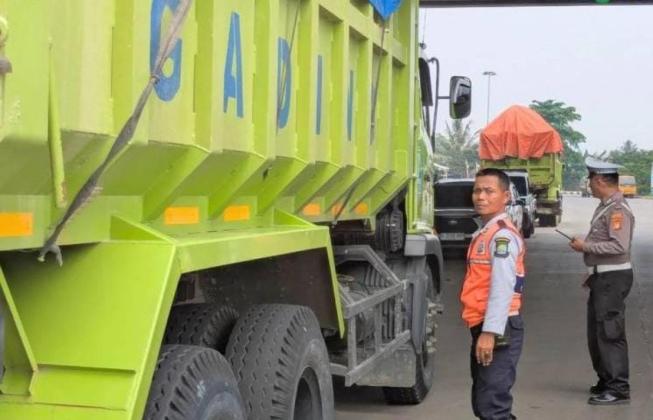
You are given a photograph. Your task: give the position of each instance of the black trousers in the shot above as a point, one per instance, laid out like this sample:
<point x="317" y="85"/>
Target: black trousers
<point x="606" y="328"/>
<point x="491" y="385"/>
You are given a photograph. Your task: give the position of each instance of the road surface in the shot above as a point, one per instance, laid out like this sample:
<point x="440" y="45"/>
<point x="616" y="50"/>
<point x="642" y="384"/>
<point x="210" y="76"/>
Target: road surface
<point x="555" y="371"/>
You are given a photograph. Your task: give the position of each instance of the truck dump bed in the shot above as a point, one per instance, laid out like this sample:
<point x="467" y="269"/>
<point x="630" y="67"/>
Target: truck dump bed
<point x="262" y="106"/>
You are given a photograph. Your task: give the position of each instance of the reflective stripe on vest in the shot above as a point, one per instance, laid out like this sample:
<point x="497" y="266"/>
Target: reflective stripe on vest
<point x="476" y="286"/>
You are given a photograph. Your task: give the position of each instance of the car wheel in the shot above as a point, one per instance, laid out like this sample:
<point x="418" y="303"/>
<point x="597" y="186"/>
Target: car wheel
<point x="527" y="228"/>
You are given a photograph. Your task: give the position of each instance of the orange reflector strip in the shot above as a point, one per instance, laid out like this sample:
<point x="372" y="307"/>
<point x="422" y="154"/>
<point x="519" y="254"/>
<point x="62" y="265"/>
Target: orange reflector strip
<point x="16" y="224"/>
<point x="236" y="213"/>
<point x="361" y="209"/>
<point x="181" y="215"/>
<point x="312" y="209"/>
<point x="337" y="208"/>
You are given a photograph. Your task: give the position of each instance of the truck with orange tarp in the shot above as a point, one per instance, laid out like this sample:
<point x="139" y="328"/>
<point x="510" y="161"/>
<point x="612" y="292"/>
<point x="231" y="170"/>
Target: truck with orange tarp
<point x="520" y="139"/>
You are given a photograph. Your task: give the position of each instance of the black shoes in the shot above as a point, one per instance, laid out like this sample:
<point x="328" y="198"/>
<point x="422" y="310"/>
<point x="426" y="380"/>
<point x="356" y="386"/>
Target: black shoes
<point x="608" y="398"/>
<point x="597" y="389"/>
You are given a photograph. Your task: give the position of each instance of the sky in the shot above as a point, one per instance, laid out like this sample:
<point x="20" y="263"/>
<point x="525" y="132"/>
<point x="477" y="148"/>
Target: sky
<point x="598" y="59"/>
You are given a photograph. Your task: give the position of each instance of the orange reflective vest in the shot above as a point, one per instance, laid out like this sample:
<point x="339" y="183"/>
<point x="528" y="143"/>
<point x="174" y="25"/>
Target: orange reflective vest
<point x="476" y="286"/>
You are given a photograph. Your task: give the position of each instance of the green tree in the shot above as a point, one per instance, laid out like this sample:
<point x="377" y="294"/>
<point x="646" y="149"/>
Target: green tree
<point x="457" y="148"/>
<point x="636" y="162"/>
<point x="561" y="116"/>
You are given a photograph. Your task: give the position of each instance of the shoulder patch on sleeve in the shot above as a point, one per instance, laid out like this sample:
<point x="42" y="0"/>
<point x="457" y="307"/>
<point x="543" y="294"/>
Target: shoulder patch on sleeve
<point x="501" y="247"/>
<point x="616" y="220"/>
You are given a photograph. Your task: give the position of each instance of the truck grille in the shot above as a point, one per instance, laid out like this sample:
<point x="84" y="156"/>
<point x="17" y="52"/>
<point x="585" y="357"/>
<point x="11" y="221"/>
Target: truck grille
<point x="446" y="224"/>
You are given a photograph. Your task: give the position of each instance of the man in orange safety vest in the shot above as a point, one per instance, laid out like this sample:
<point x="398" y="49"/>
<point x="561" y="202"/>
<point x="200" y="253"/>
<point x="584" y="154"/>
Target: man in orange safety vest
<point x="491" y="298"/>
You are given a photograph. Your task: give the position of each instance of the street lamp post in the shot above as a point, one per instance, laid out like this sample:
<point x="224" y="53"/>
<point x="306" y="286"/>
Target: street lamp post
<point x="489" y="75"/>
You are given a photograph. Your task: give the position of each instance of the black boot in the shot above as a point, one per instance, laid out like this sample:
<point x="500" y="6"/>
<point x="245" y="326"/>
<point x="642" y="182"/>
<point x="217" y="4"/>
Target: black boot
<point x="608" y="398"/>
<point x="598" y="389"/>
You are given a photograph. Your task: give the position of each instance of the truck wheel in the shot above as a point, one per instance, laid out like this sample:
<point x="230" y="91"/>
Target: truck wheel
<point x="204" y="325"/>
<point x="527" y="228"/>
<point x="554" y="220"/>
<point x="281" y="362"/>
<point x="532" y="228"/>
<point x="193" y="383"/>
<point x="547" y="220"/>
<point x="425" y="369"/>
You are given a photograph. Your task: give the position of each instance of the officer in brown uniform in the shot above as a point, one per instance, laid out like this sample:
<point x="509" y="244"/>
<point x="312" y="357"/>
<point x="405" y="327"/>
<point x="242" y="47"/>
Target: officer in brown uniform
<point x="606" y="252"/>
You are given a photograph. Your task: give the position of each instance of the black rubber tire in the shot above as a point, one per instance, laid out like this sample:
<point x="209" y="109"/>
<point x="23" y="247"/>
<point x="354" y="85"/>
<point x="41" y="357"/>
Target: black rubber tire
<point x="528" y="228"/>
<point x="425" y="371"/>
<point x="193" y="383"/>
<point x="204" y="325"/>
<point x="280" y="360"/>
<point x="389" y="235"/>
<point x="548" y="220"/>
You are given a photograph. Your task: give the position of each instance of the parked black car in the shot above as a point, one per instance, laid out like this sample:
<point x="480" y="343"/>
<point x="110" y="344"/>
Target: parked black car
<point x="455" y="217"/>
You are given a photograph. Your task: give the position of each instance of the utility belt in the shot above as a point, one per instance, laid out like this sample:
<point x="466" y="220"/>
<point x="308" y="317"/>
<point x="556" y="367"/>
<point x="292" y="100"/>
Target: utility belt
<point x="603" y="268"/>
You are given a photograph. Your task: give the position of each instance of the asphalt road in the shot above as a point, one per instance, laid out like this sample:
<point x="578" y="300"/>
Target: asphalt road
<point x="554" y="372"/>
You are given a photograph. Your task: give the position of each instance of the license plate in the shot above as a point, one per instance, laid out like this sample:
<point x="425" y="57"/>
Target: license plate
<point x="452" y="236"/>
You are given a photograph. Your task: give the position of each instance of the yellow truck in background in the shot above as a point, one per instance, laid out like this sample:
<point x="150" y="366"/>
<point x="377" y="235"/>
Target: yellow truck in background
<point x="628" y="185"/>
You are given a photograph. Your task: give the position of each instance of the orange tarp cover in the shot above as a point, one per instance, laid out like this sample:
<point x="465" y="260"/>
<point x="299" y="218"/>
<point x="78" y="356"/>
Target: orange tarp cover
<point x="518" y="132"/>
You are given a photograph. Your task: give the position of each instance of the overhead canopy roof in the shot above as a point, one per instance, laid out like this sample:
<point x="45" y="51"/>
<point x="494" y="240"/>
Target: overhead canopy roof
<point x="491" y="3"/>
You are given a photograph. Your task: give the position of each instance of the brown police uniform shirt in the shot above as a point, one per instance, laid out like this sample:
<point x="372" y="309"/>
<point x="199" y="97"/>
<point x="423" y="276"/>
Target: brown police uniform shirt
<point x="611" y="233"/>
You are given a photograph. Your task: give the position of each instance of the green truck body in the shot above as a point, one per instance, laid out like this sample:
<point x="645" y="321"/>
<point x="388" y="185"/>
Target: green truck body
<point x="545" y="178"/>
<point x="270" y="120"/>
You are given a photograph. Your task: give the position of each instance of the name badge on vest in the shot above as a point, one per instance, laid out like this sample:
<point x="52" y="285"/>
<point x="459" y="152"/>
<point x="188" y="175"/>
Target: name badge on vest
<point x="481" y="248"/>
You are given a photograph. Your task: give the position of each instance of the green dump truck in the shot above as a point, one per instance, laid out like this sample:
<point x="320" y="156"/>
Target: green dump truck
<point x="208" y="208"/>
<point x="519" y="139"/>
<point x="545" y="182"/>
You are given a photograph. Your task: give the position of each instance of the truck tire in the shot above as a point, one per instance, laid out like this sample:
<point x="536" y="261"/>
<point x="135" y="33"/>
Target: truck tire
<point x="204" y="325"/>
<point x="527" y="229"/>
<point x="548" y="220"/>
<point x="425" y="369"/>
<point x="281" y="363"/>
<point x="193" y="383"/>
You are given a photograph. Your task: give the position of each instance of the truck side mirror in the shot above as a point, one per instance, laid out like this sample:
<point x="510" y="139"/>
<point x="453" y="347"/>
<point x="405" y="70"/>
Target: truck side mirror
<point x="460" y="97"/>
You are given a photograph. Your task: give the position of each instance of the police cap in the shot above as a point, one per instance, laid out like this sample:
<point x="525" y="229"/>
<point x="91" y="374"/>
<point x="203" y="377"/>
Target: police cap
<point x="596" y="166"/>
